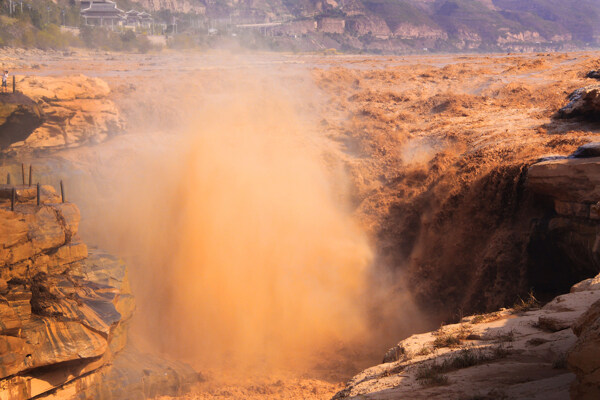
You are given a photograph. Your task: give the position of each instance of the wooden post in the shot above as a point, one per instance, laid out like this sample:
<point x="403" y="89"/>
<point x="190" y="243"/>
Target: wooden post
<point x="13" y="198"/>
<point x="8" y="178"/>
<point x="23" y="172"/>
<point x="62" y="191"/>
<point x="38" y="194"/>
<point x="14" y="85"/>
<point x="30" y="173"/>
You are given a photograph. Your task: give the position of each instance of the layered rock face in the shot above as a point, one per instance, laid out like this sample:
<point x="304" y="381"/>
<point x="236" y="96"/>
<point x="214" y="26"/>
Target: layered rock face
<point x="77" y="111"/>
<point x="584" y="357"/>
<point x="410" y="31"/>
<point x="368" y="25"/>
<point x="58" y="305"/>
<point x="567" y="239"/>
<point x="64" y="311"/>
<point x="400" y="25"/>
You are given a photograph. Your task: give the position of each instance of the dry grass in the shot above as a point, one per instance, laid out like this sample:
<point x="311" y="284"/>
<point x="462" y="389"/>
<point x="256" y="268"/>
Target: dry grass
<point x="481" y="318"/>
<point x="432" y="374"/>
<point x="425" y="351"/>
<point x="447" y="341"/>
<point x="450" y="339"/>
<point x="530" y="303"/>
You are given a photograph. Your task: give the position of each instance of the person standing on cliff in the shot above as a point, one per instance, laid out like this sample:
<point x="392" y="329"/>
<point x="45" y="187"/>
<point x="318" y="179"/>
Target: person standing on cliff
<point x="5" y="82"/>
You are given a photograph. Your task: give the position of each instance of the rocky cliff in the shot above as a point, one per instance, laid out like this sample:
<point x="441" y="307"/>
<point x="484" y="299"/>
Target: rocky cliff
<point x="567" y="239"/>
<point x="64" y="310"/>
<point x="526" y="352"/>
<point x="402" y="26"/>
<point x="57" y="112"/>
<point x="584" y="357"/>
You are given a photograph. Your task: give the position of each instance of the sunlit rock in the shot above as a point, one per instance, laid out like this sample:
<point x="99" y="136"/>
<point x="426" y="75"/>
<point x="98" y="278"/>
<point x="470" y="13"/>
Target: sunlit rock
<point x="584" y="358"/>
<point x="583" y="102"/>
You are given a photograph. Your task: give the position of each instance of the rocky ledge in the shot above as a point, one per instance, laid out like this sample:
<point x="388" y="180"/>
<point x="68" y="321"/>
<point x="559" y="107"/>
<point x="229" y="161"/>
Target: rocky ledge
<point x="64" y="311"/>
<point x="525" y="352"/>
<point x="76" y="110"/>
<point x="528" y="351"/>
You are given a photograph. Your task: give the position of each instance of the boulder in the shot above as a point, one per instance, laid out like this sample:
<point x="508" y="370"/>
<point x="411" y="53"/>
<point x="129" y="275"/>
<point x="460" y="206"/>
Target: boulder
<point x="584" y="102"/>
<point x="588" y="150"/>
<point x="593" y="74"/>
<point x="588" y="284"/>
<point x="572" y="180"/>
<point x="584" y="357"/>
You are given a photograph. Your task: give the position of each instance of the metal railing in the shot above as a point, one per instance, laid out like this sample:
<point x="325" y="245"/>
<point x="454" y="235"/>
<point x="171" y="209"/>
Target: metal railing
<point x="13" y="195"/>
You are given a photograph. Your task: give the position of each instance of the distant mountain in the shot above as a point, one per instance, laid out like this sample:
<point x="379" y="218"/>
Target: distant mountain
<point x="405" y="25"/>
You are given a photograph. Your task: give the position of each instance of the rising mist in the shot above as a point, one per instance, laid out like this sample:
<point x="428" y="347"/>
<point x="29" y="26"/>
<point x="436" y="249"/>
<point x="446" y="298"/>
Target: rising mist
<point x="235" y="219"/>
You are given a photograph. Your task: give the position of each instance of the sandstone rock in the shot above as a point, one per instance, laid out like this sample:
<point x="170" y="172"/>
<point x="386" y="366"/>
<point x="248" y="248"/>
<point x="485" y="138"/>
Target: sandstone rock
<point x="53" y="341"/>
<point x="62" y="319"/>
<point x="63" y="88"/>
<point x="30" y="231"/>
<point x="66" y="254"/>
<point x="65" y="311"/>
<point x="499" y="355"/>
<point x="77" y="110"/>
<point x="13" y="229"/>
<point x="394" y="354"/>
<point x="70" y="216"/>
<point x="553" y="324"/>
<point x="55" y="317"/>
<point x="132" y="376"/>
<point x="45" y="230"/>
<point x="582" y="102"/>
<point x="9" y="320"/>
<point x="584" y="357"/>
<point x="588" y="150"/>
<point x="581" y="210"/>
<point x="14" y="355"/>
<point x="574" y="180"/>
<point x="588" y="284"/>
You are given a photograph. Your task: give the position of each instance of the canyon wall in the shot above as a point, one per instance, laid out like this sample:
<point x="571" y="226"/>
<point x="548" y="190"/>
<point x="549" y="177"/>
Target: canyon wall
<point x="65" y="310"/>
<point x="400" y="26"/>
